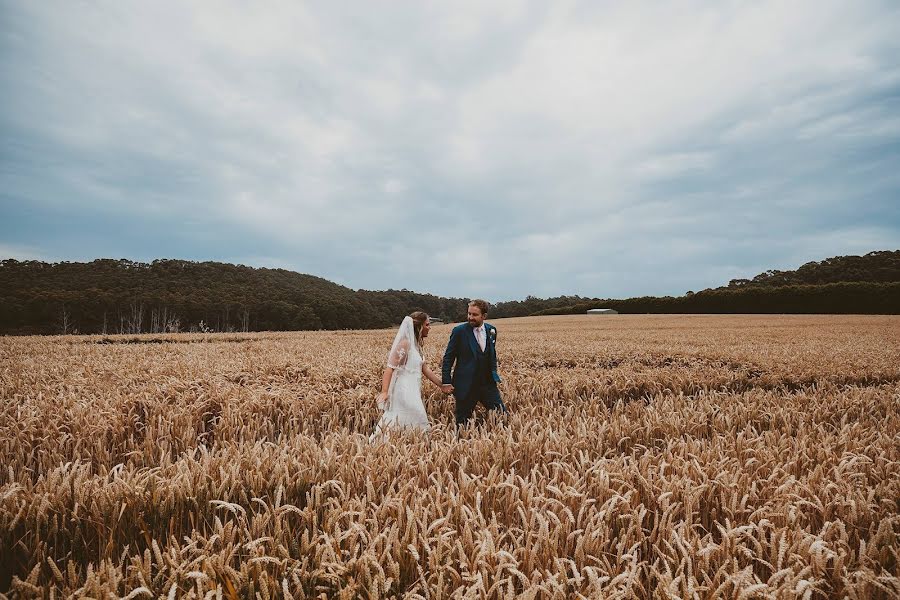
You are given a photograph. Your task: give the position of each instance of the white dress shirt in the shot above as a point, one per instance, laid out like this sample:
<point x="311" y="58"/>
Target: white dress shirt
<point x="480" y="336"/>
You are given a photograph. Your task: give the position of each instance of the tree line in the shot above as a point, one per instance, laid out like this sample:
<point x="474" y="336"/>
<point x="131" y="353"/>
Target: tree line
<point x="853" y="297"/>
<point x="121" y="296"/>
<point x="868" y="284"/>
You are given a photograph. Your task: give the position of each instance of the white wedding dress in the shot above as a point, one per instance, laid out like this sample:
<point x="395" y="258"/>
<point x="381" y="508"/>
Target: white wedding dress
<point x="404" y="407"/>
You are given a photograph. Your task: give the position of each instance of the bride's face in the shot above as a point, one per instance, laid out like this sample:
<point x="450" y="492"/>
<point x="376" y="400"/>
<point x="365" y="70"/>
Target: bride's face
<point x="425" y="327"/>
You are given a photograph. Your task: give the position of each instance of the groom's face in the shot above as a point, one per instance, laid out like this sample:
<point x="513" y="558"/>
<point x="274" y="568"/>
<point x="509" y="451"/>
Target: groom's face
<point x="476" y="318"/>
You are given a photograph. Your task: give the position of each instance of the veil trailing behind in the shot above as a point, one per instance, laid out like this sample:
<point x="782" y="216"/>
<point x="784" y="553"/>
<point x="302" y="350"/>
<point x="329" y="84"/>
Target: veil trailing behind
<point x="404" y="406"/>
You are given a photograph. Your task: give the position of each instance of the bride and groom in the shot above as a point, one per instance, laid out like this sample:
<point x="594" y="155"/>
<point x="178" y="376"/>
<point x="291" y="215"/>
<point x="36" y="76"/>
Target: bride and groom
<point x="473" y="379"/>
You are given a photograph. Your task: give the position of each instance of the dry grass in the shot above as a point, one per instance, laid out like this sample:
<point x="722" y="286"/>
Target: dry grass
<point x="698" y="456"/>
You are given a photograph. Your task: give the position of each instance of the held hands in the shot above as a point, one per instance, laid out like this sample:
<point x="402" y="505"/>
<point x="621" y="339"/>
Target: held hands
<point x="447" y="388"/>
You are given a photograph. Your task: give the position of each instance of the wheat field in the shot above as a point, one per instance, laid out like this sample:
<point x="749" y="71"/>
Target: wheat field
<point x="644" y="457"/>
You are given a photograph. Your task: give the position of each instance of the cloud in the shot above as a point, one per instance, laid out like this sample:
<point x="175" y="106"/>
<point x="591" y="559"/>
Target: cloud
<point x="492" y="150"/>
<point x="672" y="165"/>
<point x="21" y="253"/>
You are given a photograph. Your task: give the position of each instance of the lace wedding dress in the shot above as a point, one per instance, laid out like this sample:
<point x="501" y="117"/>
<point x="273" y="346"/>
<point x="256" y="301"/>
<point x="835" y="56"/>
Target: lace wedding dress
<point x="404" y="407"/>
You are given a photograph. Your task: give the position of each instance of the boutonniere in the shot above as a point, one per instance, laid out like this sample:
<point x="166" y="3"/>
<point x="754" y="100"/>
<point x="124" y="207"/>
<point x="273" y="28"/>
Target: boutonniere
<point x="493" y="333"/>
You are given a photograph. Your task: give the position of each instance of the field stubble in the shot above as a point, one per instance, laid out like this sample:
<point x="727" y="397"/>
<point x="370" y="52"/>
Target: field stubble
<point x="645" y="456"/>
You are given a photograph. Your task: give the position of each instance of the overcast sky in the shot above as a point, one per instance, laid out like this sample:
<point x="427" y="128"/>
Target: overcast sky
<point x="492" y="149"/>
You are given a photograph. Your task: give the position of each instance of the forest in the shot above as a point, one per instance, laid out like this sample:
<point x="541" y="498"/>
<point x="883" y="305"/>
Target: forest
<point x="108" y="296"/>
<point x="868" y="284"/>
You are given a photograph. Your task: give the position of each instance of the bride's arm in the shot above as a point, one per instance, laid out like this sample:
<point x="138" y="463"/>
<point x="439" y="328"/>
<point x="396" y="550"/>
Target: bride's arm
<point x="396" y="359"/>
<point x="385" y="384"/>
<point x="429" y="374"/>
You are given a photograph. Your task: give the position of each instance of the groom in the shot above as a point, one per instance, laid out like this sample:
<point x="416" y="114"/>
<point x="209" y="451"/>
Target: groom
<point x="472" y="347"/>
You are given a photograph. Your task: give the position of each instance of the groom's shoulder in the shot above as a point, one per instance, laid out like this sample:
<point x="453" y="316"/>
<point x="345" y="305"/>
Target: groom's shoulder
<point x="461" y="327"/>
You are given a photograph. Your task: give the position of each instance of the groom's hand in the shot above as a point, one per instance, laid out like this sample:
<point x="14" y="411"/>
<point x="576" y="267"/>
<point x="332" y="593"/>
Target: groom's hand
<point x="447" y="388"/>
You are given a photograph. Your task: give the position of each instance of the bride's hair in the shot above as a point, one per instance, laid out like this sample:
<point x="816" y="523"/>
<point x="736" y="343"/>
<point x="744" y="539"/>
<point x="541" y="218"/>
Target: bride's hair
<point x="419" y="318"/>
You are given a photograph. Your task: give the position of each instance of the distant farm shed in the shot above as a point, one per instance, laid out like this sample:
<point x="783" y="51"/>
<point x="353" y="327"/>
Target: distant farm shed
<point x="602" y="311"/>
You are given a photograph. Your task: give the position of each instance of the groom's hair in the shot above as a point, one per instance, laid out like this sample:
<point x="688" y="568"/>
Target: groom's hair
<point x="481" y="304"/>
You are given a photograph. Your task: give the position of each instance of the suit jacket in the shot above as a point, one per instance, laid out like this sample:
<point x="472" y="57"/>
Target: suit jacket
<point x="463" y="350"/>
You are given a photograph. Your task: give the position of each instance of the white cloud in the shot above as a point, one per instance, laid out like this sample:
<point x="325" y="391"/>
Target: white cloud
<point x="501" y="146"/>
<point x="21" y="252"/>
<point x="670" y="165"/>
<point x="865" y="123"/>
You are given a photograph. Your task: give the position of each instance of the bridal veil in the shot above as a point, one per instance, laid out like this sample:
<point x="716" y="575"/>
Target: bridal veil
<point x="404" y="343"/>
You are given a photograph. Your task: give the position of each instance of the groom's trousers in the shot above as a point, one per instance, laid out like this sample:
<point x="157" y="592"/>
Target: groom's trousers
<point x="486" y="394"/>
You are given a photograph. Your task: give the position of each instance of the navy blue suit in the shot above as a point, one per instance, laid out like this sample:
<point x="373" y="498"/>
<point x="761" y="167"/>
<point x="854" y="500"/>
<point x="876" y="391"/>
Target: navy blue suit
<point x="475" y="376"/>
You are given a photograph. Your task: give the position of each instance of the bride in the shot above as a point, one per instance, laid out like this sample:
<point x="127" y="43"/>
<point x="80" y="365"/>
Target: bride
<point x="401" y="384"/>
